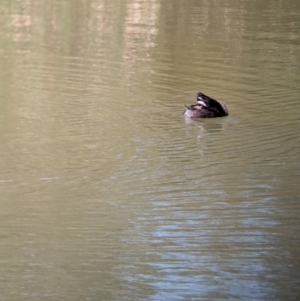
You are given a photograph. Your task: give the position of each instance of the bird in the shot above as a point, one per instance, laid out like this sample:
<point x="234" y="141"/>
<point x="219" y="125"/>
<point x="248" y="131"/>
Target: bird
<point x="206" y="107"/>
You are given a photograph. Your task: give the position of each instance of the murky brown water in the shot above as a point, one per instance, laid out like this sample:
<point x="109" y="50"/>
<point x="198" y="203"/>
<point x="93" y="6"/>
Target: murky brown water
<point x="107" y="192"/>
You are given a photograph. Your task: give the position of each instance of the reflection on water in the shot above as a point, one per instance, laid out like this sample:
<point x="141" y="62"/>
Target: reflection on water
<point x="108" y="192"/>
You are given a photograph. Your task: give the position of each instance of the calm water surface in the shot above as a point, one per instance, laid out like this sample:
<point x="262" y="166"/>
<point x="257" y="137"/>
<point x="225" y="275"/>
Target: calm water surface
<point x="107" y="192"/>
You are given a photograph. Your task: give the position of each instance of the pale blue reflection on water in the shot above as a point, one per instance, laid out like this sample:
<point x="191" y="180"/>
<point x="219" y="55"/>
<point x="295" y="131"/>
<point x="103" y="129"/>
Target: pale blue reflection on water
<point x="107" y="192"/>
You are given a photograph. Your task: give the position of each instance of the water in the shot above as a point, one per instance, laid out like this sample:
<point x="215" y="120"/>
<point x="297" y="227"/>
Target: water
<point x="107" y="192"/>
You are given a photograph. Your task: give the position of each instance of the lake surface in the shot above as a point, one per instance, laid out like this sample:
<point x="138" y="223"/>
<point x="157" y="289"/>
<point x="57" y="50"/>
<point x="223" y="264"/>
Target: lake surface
<point x="107" y="192"/>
